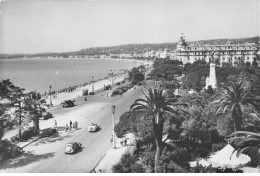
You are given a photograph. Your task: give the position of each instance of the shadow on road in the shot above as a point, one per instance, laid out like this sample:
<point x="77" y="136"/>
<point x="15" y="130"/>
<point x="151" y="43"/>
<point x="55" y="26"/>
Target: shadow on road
<point x="24" y="159"/>
<point x="54" y="138"/>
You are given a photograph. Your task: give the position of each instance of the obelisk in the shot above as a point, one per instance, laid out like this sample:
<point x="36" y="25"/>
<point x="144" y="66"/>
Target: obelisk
<point x="212" y="79"/>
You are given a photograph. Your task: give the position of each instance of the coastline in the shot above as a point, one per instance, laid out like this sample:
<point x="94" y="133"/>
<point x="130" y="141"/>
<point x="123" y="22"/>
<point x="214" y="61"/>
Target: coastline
<point x="98" y="85"/>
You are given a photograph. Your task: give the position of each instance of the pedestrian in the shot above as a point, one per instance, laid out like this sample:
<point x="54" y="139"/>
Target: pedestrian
<point x="76" y="125"/>
<point x="111" y="140"/>
<point x="70" y="124"/>
<point x="66" y="128"/>
<point x="125" y="141"/>
<point x="55" y="124"/>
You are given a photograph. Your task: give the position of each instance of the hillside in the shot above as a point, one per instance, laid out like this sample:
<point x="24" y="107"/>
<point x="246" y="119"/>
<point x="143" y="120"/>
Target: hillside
<point x="131" y="48"/>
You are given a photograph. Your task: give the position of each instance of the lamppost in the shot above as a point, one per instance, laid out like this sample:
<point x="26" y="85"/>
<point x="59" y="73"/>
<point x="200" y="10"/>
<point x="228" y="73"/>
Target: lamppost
<point x="113" y="107"/>
<point x="50" y="97"/>
<point x="112" y="75"/>
<point x="21" y="104"/>
<point x="92" y="84"/>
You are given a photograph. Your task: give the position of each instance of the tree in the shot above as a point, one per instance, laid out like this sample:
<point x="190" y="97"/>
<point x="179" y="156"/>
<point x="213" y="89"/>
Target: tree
<point x="254" y="63"/>
<point x="248" y="141"/>
<point x="157" y="106"/>
<point x="236" y="98"/>
<point x="135" y="75"/>
<point x="33" y="106"/>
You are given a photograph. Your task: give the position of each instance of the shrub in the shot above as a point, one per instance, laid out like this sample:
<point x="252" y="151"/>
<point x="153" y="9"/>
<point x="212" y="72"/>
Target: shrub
<point x="174" y="168"/>
<point x="137" y="168"/>
<point x="218" y="146"/>
<point x="27" y="134"/>
<point x="48" y="132"/>
<point x="128" y="164"/>
<point x="8" y="150"/>
<point x="118" y="168"/>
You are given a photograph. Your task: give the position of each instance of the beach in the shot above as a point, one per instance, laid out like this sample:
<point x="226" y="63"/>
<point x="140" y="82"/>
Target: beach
<point x="97" y="85"/>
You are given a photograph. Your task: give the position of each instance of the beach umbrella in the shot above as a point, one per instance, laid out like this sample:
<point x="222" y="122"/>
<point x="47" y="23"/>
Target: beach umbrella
<point x="227" y="158"/>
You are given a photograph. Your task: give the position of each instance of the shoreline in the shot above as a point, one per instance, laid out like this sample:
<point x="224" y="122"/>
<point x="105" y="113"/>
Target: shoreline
<point x="99" y="84"/>
<point x="80" y="58"/>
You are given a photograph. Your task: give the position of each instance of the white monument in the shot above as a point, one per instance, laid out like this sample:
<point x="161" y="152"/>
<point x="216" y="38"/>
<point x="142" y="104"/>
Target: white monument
<point x="212" y="79"/>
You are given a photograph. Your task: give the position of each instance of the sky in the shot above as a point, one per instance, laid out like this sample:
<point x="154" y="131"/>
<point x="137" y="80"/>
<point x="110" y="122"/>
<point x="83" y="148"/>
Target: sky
<point x="36" y="26"/>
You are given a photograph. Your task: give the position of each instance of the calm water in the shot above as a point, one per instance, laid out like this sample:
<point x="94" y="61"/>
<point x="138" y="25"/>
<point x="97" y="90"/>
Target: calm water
<point x="60" y="73"/>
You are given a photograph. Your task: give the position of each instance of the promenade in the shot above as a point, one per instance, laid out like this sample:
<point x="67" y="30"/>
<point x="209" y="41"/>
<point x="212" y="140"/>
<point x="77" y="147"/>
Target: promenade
<point x="44" y="154"/>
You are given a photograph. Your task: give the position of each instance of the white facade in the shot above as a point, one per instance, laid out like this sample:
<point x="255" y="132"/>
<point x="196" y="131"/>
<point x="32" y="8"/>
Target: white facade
<point x="229" y="53"/>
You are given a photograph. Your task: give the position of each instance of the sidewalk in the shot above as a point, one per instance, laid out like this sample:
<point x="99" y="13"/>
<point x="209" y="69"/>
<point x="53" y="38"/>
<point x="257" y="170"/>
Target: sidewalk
<point x="113" y="156"/>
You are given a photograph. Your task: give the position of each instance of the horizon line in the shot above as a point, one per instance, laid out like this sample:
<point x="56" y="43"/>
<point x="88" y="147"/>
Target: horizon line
<point x="53" y="52"/>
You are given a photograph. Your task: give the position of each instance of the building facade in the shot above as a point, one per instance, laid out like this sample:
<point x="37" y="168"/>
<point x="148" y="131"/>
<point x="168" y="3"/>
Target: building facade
<point x="228" y="53"/>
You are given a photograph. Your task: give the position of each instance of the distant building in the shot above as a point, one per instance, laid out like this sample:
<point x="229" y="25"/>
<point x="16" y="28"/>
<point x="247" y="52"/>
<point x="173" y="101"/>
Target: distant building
<point x="229" y="53"/>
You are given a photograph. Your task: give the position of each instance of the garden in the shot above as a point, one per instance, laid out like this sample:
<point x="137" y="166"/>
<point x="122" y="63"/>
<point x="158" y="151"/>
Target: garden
<point x="173" y="130"/>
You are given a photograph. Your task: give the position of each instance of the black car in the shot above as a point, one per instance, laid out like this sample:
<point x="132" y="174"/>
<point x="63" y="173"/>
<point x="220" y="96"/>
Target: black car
<point x="72" y="147"/>
<point x="68" y="103"/>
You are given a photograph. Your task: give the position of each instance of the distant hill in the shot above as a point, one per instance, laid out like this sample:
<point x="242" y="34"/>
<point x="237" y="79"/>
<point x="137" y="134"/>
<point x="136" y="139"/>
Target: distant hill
<point x="131" y="48"/>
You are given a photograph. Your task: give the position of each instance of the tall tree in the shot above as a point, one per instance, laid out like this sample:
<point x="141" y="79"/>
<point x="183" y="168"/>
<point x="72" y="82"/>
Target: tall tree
<point x="235" y="98"/>
<point x="159" y="108"/>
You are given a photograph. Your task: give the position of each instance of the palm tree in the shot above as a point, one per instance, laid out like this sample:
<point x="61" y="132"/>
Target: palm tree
<point x="159" y="108"/>
<point x="248" y="140"/>
<point x="236" y="98"/>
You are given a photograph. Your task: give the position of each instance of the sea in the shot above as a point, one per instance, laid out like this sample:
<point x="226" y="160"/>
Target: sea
<point x="39" y="74"/>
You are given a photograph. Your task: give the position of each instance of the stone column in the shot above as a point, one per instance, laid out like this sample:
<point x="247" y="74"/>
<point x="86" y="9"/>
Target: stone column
<point x="212" y="76"/>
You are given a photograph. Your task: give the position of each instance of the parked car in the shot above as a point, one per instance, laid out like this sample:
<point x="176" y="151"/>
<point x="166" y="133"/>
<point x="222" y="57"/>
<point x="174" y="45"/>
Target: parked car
<point x="73" y="147"/>
<point x="93" y="127"/>
<point x="91" y="93"/>
<point x="68" y="103"/>
<point x="47" y="116"/>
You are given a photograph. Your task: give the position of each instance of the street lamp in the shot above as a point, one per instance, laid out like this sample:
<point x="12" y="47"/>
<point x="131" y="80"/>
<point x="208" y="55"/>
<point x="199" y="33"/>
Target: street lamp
<point x="113" y="107"/>
<point x="112" y="75"/>
<point x="21" y="104"/>
<point x="92" y="84"/>
<point x="50" y="96"/>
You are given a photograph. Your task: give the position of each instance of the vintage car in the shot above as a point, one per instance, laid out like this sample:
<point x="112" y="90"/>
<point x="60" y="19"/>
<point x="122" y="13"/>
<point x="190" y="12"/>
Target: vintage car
<point x="68" y="103"/>
<point x="93" y="127"/>
<point x="73" y="147"/>
<point x="47" y="116"/>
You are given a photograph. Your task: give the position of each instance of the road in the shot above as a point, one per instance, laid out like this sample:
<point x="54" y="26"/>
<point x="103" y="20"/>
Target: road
<point x="47" y="156"/>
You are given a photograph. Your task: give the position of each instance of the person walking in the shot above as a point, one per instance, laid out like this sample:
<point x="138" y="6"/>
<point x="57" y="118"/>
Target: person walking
<point x="66" y="128"/>
<point x="55" y="124"/>
<point x="111" y="139"/>
<point x="125" y="141"/>
<point x="70" y="125"/>
<point x="76" y="125"/>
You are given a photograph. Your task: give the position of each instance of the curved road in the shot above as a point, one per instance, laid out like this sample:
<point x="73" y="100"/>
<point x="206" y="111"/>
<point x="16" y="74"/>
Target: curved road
<point x="49" y="157"/>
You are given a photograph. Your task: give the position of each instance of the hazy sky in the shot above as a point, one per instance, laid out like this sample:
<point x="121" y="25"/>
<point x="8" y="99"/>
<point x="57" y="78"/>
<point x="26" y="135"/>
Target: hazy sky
<point x="33" y="26"/>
